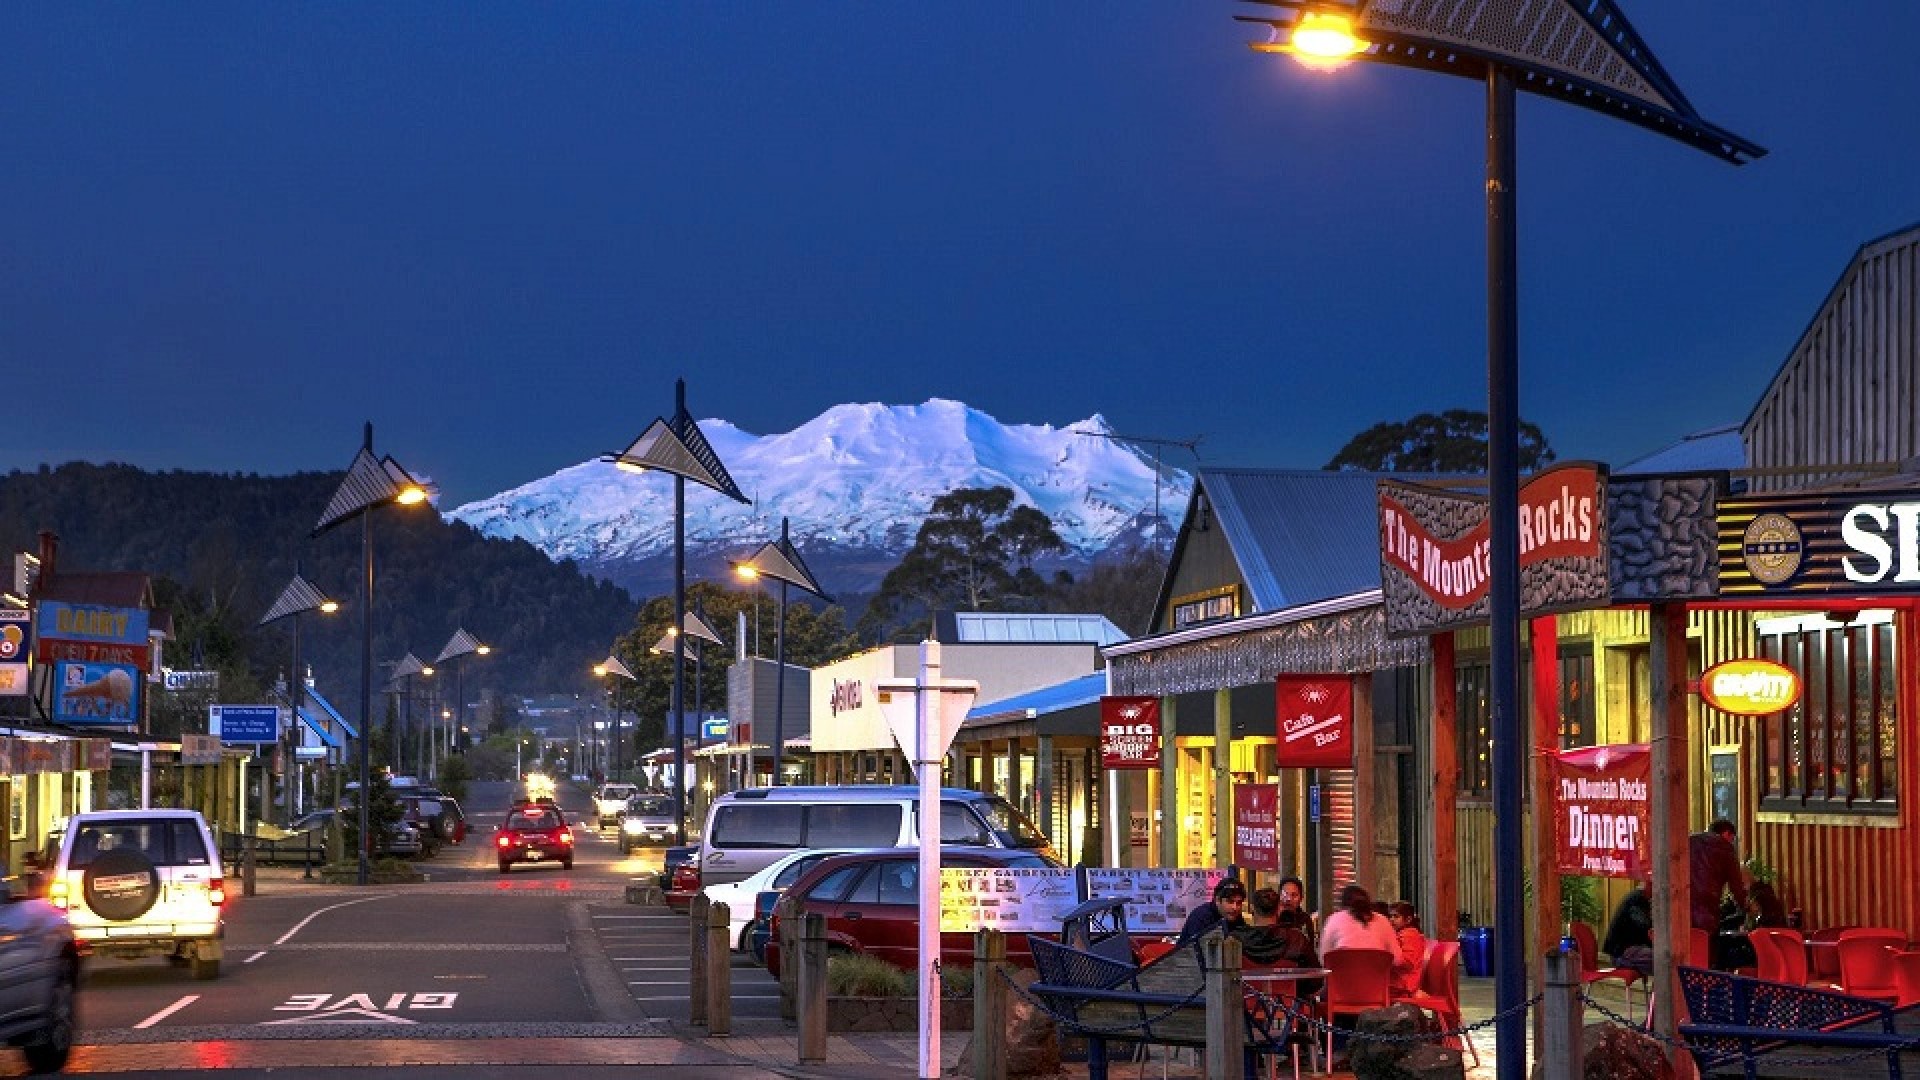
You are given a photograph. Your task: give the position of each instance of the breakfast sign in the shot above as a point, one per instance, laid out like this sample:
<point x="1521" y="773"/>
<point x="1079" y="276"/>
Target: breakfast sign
<point x="1436" y="550"/>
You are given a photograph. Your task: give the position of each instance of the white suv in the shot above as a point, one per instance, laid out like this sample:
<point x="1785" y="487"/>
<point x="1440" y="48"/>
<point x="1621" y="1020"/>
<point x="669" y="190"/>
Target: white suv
<point x="143" y="883"/>
<point x="610" y="800"/>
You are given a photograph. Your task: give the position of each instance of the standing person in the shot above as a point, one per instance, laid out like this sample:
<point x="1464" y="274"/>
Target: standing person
<point x="1226" y="908"/>
<point x="1713" y="869"/>
<point x="1357" y="926"/>
<point x="1405" y="920"/>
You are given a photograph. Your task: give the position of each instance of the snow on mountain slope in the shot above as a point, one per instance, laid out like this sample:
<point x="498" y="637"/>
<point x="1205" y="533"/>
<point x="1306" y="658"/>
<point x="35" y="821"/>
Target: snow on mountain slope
<point x="854" y="478"/>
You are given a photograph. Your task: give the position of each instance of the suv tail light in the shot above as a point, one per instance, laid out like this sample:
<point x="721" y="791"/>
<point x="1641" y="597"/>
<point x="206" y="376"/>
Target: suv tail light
<point x="566" y="836"/>
<point x="217" y="891"/>
<point x="57" y="894"/>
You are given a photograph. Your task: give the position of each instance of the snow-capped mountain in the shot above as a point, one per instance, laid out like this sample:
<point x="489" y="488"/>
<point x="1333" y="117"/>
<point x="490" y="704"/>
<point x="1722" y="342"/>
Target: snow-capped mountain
<point x="854" y="482"/>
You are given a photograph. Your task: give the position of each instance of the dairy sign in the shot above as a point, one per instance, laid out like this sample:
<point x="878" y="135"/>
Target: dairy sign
<point x="1314" y="716"/>
<point x="1436" y="550"/>
<point x="1750" y="687"/>
<point x="1129" y="732"/>
<point x="1820" y="544"/>
<point x="1603" y="814"/>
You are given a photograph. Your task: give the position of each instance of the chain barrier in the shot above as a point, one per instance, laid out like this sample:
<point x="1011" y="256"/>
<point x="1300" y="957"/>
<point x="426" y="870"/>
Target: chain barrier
<point x="1068" y="1020"/>
<point x="1313" y="1023"/>
<point x="1772" y="1058"/>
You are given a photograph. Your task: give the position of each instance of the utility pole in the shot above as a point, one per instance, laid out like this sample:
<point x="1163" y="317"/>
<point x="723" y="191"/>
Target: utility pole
<point x="1191" y="445"/>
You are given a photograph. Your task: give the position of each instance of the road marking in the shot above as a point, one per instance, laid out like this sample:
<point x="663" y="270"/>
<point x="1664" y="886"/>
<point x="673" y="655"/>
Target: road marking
<point x="254" y="957"/>
<point x="302" y="924"/>
<point x="168" y="1011"/>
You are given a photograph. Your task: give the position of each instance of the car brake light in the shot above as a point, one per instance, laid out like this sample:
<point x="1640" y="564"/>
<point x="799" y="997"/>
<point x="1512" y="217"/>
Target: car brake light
<point x="504" y="840"/>
<point x="217" y="891"/>
<point x="57" y="895"/>
<point x="566" y="836"/>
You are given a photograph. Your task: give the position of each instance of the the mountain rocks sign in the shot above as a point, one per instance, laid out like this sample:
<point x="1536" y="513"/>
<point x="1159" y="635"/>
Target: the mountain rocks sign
<point x="1435" y="558"/>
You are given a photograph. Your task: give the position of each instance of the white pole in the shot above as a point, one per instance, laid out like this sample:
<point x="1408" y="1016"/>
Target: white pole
<point x="927" y="704"/>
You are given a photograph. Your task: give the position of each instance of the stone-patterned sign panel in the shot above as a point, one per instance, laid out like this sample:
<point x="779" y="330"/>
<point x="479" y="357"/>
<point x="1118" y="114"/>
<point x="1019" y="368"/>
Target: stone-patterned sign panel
<point x="1661" y="537"/>
<point x="1435" y="558"/>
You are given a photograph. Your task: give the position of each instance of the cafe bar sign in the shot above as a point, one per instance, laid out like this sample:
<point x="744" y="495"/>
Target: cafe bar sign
<point x="1828" y="543"/>
<point x="1435" y="550"/>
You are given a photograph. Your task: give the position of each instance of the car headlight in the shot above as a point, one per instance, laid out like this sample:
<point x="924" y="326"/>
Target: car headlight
<point x="632" y="827"/>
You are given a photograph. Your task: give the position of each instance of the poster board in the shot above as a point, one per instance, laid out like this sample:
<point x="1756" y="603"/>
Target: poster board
<point x="1723" y="781"/>
<point x="1027" y="901"/>
<point x="1158" y="901"/>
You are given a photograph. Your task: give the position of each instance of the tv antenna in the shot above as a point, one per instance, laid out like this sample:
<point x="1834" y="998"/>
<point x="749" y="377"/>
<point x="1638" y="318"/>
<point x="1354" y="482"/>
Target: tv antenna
<point x="1192" y="446"/>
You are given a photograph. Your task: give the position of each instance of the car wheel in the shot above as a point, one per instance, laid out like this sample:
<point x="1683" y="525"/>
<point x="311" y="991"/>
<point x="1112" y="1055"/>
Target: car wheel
<point x="566" y="864"/>
<point x="204" y="969"/>
<point x="505" y="865"/>
<point x="47" y="1048"/>
<point x="121" y="884"/>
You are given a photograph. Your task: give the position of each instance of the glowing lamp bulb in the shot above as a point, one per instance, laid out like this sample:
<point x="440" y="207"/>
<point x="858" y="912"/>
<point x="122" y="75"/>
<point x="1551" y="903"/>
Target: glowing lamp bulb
<point x="625" y="465"/>
<point x="411" y="495"/>
<point x="1325" y="38"/>
<point x="330" y="606"/>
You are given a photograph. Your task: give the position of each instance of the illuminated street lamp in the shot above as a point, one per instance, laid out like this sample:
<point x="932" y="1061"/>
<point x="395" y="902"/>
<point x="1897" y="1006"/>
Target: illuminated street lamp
<point x="613" y="666"/>
<point x="1583" y="52"/>
<point x="403" y="673"/>
<point x="677" y="447"/>
<point x="458" y="647"/>
<point x="780" y="561"/>
<point x="699" y="633"/>
<point x="370" y="482"/>
<point x="299" y="597"/>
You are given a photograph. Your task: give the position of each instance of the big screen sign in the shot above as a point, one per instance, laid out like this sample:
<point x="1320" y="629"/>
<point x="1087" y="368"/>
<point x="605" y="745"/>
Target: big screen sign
<point x="1129" y="732"/>
<point x="1603" y="819"/>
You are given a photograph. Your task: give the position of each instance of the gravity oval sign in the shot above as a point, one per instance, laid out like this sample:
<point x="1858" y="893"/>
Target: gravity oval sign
<point x="1750" y="687"/>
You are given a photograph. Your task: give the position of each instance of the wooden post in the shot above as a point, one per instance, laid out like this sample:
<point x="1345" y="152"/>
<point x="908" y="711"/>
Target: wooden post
<point x="789" y="960"/>
<point x="1444" y="853"/>
<point x="812" y="956"/>
<point x="1667" y="626"/>
<point x="989" y="1005"/>
<point x="1223" y="776"/>
<point x="1169" y="851"/>
<point x="697" y="959"/>
<point x="1366" y="816"/>
<point x="1543" y="638"/>
<point x="719" y="971"/>
<point x="1561" y="1045"/>
<point x="1226" y="1007"/>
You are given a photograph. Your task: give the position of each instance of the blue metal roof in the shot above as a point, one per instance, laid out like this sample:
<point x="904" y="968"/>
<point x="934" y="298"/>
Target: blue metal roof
<point x="1001" y="626"/>
<point x="319" y="729"/>
<point x="1073" y="693"/>
<point x="1712" y="449"/>
<point x="327" y="707"/>
<point x="1300" y="535"/>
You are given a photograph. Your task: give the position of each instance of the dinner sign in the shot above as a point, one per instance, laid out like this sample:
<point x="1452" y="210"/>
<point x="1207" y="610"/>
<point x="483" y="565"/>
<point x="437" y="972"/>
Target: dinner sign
<point x="1603" y="816"/>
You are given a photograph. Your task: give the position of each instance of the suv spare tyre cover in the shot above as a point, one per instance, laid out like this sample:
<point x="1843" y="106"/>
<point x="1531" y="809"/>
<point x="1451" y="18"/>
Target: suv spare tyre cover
<point x="121" y="884"/>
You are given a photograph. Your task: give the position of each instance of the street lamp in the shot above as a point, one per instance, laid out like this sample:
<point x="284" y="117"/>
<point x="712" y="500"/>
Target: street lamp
<point x="677" y="446"/>
<point x="613" y="666"/>
<point x="299" y="597"/>
<point x="780" y="561"/>
<point x="1583" y="52"/>
<point x="403" y="673"/>
<point x="370" y="482"/>
<point x="699" y="632"/>
<point x="459" y="646"/>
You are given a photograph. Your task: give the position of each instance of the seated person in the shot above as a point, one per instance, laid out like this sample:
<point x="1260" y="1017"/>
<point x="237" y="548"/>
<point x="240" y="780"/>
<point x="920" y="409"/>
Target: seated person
<point x="1265" y="907"/>
<point x="1629" y="937"/>
<point x="1767" y="908"/>
<point x="1405" y="920"/>
<point x="1293" y="912"/>
<point x="1355" y="926"/>
<point x="1227" y="907"/>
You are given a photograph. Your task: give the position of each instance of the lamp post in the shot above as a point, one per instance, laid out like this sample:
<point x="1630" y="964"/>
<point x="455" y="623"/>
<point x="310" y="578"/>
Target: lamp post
<point x="403" y="673"/>
<point x="1583" y="52"/>
<point x="370" y="482"/>
<point x="299" y="597"/>
<point x="678" y="447"/>
<point x="610" y="667"/>
<point x="458" y="647"/>
<point x="699" y="632"/>
<point x="781" y="561"/>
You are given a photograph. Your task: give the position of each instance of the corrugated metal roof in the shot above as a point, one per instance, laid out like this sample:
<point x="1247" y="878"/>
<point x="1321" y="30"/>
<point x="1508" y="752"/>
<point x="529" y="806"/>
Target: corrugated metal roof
<point x="108" y="588"/>
<point x="958" y="627"/>
<point x="327" y="707"/>
<point x="1073" y="693"/>
<point x="1300" y="535"/>
<point x="1712" y="449"/>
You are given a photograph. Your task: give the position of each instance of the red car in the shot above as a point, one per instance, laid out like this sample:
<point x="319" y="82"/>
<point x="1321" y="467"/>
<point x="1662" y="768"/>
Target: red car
<point x="683" y="886"/>
<point x="534" y="833"/>
<point x="871" y="900"/>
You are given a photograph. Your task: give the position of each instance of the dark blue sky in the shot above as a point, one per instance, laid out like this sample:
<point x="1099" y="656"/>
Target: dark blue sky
<point x="233" y="232"/>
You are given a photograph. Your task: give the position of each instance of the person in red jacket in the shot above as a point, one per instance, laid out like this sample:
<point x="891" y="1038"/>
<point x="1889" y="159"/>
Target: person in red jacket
<point x="1714" y="869"/>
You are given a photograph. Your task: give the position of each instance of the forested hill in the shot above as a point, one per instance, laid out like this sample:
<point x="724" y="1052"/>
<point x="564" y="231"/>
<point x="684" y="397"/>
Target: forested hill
<point x="221" y="547"/>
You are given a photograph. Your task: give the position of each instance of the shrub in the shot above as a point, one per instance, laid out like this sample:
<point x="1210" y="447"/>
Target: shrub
<point x="859" y="975"/>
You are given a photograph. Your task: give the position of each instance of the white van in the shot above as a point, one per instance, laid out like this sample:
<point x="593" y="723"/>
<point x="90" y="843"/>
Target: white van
<point x="143" y="883"/>
<point x="750" y="829"/>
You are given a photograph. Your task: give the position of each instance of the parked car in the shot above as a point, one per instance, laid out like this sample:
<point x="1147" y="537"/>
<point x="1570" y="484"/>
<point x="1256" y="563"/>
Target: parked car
<point x="534" y="833"/>
<point x="683" y="886"/>
<point x="739" y="896"/>
<point x="871" y="901"/>
<point x="399" y="840"/>
<point x="143" y="883"/>
<point x="675" y="858"/>
<point x="761" y="929"/>
<point x="610" y="800"/>
<point x="646" y="818"/>
<point x="39" y="968"/>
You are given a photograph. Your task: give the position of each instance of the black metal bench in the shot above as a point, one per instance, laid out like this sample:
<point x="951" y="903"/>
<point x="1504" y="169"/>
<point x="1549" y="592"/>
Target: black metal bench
<point x="1161" y="1003"/>
<point x="1738" y="1026"/>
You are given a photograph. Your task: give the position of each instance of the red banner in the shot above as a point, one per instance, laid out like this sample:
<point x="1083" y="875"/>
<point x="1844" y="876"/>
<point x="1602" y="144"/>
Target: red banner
<point x="1315" y="721"/>
<point x="1603" y="811"/>
<point x="1129" y="733"/>
<point x="1256" y="833"/>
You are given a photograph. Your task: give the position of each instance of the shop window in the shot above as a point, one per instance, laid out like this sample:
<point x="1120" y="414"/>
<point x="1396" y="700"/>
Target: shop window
<point x="1834" y="751"/>
<point x="1473" y="737"/>
<point x="1576" y="697"/>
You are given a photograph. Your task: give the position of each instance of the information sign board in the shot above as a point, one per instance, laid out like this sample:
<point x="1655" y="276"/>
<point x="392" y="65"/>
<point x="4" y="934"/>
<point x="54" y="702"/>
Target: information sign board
<point x="1024" y="901"/>
<point x="244" y="723"/>
<point x="1158" y="901"/>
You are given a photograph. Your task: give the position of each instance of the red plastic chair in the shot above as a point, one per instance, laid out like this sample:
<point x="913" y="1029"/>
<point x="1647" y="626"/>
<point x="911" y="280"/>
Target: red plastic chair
<point x="1906" y="972"/>
<point x="1783" y="956"/>
<point x="1699" y="948"/>
<point x="1358" y="980"/>
<point x="1866" y="962"/>
<point x="1822" y="956"/>
<point x="1591" y="972"/>
<point x="1440" y="992"/>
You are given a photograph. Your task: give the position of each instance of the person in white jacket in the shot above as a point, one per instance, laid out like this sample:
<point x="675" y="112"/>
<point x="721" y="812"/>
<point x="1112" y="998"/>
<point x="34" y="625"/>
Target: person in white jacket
<point x="1357" y="926"/>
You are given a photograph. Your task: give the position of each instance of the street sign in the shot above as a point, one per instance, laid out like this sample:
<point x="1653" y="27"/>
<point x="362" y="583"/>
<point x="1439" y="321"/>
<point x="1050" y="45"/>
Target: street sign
<point x="244" y="723"/>
<point x="713" y="727"/>
<point x="1313" y="802"/>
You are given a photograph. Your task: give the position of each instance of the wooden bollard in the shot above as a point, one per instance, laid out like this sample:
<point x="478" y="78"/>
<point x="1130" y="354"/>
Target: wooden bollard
<point x="812" y="990"/>
<point x="989" y="1005"/>
<point x="789" y="961"/>
<point x="697" y="959"/>
<point x="1561" y="1039"/>
<point x="1226" y="1007"/>
<point x="719" y="971"/>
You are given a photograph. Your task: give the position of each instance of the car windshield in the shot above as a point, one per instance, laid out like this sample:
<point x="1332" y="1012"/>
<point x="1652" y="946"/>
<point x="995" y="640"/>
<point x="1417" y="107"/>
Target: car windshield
<point x="650" y="805"/>
<point x="1007" y="821"/>
<point x="522" y="820"/>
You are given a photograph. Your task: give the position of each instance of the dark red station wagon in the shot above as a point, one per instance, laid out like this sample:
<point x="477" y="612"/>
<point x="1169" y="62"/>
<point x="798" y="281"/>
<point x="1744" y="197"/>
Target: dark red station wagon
<point x="871" y="901"/>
